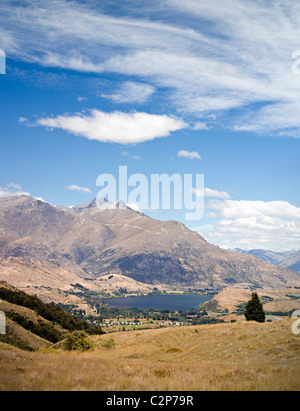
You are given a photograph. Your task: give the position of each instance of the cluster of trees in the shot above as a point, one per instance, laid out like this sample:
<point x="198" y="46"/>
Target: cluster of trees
<point x="50" y="312"/>
<point x="48" y="331"/>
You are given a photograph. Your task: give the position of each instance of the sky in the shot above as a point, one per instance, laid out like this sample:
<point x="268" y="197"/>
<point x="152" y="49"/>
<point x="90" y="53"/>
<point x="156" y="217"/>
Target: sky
<point x="163" y="87"/>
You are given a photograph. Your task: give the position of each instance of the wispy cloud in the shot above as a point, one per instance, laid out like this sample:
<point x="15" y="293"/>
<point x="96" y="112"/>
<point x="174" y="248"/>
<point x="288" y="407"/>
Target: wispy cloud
<point x="131" y="92"/>
<point x="74" y="187"/>
<point x="208" y="192"/>
<point x="12" y="189"/>
<point x="116" y="127"/>
<point x="134" y="156"/>
<point x="191" y="155"/>
<point x="206" y="55"/>
<point x="200" y="126"/>
<point x="14" y="186"/>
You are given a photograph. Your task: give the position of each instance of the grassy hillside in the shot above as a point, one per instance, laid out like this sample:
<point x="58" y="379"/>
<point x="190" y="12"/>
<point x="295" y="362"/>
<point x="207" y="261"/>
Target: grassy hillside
<point x="32" y="324"/>
<point x="237" y="356"/>
<point x="275" y="300"/>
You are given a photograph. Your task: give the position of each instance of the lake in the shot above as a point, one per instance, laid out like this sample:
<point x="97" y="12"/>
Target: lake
<point x="163" y="302"/>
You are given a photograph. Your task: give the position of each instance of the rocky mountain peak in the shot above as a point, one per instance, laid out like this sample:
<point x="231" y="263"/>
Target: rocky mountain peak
<point x="101" y="204"/>
<point x="101" y="237"/>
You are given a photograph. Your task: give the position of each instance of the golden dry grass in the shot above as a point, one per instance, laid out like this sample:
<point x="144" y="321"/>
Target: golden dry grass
<point x="238" y="356"/>
<point x="283" y="299"/>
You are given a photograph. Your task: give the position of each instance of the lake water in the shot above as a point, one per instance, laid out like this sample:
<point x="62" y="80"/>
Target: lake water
<point x="163" y="302"/>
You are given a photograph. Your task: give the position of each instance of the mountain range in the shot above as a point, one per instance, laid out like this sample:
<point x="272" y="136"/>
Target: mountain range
<point x="290" y="259"/>
<point x="95" y="241"/>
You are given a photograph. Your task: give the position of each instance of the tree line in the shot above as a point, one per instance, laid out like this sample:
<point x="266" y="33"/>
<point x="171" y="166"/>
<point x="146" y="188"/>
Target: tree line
<point x="50" y="312"/>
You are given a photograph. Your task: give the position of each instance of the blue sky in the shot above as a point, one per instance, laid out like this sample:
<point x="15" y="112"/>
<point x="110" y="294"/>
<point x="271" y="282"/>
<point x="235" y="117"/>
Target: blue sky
<point x="91" y="86"/>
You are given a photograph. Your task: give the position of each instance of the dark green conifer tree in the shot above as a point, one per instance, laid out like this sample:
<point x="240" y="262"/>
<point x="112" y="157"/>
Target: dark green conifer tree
<point x="254" y="310"/>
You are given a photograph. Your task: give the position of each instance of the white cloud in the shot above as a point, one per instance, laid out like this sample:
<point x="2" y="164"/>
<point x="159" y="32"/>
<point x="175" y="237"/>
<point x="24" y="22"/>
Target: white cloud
<point x="204" y="68"/>
<point x="208" y="192"/>
<point x="131" y="92"/>
<point x="191" y="155"/>
<point x="14" y="186"/>
<point x="232" y="209"/>
<point x="200" y="126"/>
<point x="271" y="225"/>
<point x="12" y="189"/>
<point x="134" y="157"/>
<point x="116" y="127"/>
<point x="74" y="187"/>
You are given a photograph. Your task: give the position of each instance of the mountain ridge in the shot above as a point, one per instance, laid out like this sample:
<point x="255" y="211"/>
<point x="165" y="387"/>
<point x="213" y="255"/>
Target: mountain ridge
<point x="92" y="241"/>
<point x="289" y="259"/>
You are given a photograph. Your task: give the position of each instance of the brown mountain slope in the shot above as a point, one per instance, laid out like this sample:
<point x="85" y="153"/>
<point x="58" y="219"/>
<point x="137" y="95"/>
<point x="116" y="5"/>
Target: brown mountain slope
<point x="15" y="333"/>
<point x="91" y="242"/>
<point x="274" y="300"/>
<point x="290" y="259"/>
<point x="32" y="324"/>
<point x="53" y="283"/>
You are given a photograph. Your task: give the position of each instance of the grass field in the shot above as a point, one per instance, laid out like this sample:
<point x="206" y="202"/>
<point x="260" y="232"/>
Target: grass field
<point x="237" y="356"/>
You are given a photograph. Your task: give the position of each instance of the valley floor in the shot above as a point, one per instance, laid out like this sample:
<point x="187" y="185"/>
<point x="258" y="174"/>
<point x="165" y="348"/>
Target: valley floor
<point x="237" y="356"/>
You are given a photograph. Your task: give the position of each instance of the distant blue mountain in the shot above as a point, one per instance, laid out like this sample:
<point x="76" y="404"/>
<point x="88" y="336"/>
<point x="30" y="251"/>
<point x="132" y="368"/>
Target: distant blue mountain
<point x="290" y="259"/>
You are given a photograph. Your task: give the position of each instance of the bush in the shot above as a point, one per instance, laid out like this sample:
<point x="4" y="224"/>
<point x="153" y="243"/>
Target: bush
<point x="161" y="373"/>
<point x="108" y="344"/>
<point x="78" y="341"/>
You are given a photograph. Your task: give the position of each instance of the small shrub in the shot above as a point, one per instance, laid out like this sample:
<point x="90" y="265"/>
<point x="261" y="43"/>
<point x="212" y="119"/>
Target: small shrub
<point x="78" y="341"/>
<point x="161" y="373"/>
<point x="108" y="344"/>
<point x="173" y="350"/>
